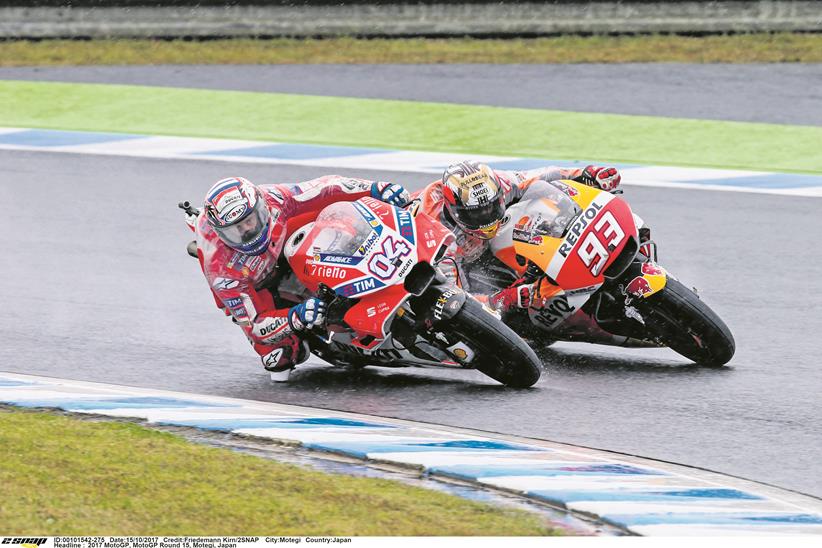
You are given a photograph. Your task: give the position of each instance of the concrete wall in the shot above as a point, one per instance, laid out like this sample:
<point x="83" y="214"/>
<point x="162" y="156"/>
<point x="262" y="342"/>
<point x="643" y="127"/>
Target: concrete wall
<point x="432" y="19"/>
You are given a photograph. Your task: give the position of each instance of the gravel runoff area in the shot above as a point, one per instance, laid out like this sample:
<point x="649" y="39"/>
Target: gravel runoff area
<point x="775" y="93"/>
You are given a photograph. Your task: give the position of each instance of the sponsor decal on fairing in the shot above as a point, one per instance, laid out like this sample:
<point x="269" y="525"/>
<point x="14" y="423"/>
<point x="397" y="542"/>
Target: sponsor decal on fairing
<point x="367" y="214"/>
<point x="577" y="228"/>
<point x="332" y="258"/>
<point x="359" y="287"/>
<point x="324" y="271"/>
<point x="566" y="188"/>
<point x="368" y="244"/>
<point x="405" y="225"/>
<point x="554" y="311"/>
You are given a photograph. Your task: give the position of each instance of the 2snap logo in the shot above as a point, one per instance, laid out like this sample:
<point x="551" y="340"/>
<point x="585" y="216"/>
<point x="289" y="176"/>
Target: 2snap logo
<point x="25" y="542"/>
<point x="224" y="283"/>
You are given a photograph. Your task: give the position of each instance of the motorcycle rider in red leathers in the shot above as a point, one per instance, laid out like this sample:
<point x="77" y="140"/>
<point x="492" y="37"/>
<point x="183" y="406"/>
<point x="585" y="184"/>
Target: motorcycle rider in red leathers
<point x="471" y="199"/>
<point x="240" y="235"/>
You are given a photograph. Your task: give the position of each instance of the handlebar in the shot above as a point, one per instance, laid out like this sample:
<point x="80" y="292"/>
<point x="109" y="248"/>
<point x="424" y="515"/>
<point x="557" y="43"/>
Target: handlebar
<point x="188" y="208"/>
<point x="326" y="294"/>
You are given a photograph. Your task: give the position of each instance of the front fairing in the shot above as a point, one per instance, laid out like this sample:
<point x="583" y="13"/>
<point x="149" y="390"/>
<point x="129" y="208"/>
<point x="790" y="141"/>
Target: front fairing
<point x="572" y="232"/>
<point x="363" y="250"/>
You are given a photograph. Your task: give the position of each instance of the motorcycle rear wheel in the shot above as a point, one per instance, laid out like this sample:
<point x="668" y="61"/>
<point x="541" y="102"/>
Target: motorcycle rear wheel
<point x="680" y="320"/>
<point x="499" y="352"/>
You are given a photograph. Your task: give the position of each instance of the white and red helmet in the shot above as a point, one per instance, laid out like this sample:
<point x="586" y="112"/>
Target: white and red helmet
<point x="237" y="211"/>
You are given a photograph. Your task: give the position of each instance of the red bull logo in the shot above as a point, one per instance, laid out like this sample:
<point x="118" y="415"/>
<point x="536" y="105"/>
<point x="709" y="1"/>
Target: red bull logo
<point x="652" y="269"/>
<point x="639" y="287"/>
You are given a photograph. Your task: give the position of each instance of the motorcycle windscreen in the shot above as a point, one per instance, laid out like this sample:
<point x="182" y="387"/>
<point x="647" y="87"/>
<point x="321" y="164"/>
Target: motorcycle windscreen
<point x="540" y="220"/>
<point x="341" y="230"/>
<point x="551" y="213"/>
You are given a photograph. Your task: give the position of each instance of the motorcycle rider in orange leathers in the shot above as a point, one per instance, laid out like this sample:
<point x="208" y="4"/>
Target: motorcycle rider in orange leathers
<point x="471" y="200"/>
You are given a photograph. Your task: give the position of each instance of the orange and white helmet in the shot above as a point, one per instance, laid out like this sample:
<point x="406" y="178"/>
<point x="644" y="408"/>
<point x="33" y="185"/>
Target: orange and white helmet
<point x="474" y="198"/>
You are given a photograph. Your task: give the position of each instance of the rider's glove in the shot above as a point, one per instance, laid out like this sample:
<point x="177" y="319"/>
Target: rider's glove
<point x="390" y="193"/>
<point x="605" y="178"/>
<point x="307" y="314"/>
<point x="517" y="296"/>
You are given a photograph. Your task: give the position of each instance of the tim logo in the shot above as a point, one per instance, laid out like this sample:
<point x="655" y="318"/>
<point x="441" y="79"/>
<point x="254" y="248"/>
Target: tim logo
<point x="25" y="542"/>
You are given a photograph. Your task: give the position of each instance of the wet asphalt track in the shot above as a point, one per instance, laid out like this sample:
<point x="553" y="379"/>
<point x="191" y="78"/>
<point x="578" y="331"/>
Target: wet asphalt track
<point x="98" y="287"/>
<point x="101" y="289"/>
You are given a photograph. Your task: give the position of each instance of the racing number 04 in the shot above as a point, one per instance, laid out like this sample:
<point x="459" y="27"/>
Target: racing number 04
<point x="593" y="252"/>
<point x="383" y="264"/>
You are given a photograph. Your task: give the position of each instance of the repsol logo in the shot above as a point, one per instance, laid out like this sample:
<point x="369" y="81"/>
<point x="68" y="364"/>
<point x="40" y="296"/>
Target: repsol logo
<point x="578" y="228"/>
<point x="16" y="540"/>
<point x="555" y="311"/>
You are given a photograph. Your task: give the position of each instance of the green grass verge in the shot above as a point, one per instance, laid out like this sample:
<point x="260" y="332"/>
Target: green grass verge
<point x="65" y="476"/>
<point x="742" y="48"/>
<point x="411" y="125"/>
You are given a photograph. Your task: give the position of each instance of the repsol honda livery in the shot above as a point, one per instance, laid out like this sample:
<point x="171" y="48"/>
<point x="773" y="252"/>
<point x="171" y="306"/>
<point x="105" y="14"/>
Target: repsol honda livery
<point x="592" y="278"/>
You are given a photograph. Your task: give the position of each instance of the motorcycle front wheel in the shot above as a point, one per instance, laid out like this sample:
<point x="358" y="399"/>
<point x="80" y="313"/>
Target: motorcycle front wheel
<point x="679" y="319"/>
<point x="498" y="351"/>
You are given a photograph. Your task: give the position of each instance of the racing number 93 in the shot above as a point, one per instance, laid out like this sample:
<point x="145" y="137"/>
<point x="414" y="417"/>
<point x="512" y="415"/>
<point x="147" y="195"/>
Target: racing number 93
<point x="384" y="263"/>
<point x="593" y="252"/>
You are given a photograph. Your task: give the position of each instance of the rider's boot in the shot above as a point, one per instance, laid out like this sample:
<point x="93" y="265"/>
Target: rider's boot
<point x="279" y="371"/>
<point x="281" y="375"/>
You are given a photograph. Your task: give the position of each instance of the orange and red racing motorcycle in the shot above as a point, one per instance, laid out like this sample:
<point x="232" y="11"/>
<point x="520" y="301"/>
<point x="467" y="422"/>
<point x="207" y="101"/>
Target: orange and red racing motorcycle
<point x="593" y="280"/>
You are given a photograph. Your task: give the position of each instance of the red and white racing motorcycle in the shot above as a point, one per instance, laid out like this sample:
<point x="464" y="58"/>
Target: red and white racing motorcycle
<point x="388" y="306"/>
<point x="372" y="263"/>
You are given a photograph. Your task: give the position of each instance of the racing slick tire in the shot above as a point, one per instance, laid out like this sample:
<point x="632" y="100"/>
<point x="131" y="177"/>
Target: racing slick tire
<point x="499" y="352"/>
<point x="680" y="320"/>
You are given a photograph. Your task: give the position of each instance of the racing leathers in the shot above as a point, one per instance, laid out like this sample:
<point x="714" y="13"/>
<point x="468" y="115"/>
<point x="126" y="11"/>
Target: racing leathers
<point x="259" y="291"/>
<point x="468" y="248"/>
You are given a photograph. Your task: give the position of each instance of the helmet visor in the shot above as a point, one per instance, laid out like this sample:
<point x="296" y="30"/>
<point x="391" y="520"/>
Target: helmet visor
<point x="478" y="217"/>
<point x="249" y="229"/>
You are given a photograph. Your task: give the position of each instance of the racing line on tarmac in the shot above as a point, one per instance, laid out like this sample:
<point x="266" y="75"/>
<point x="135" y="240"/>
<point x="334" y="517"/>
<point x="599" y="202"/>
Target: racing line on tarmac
<point x="640" y="496"/>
